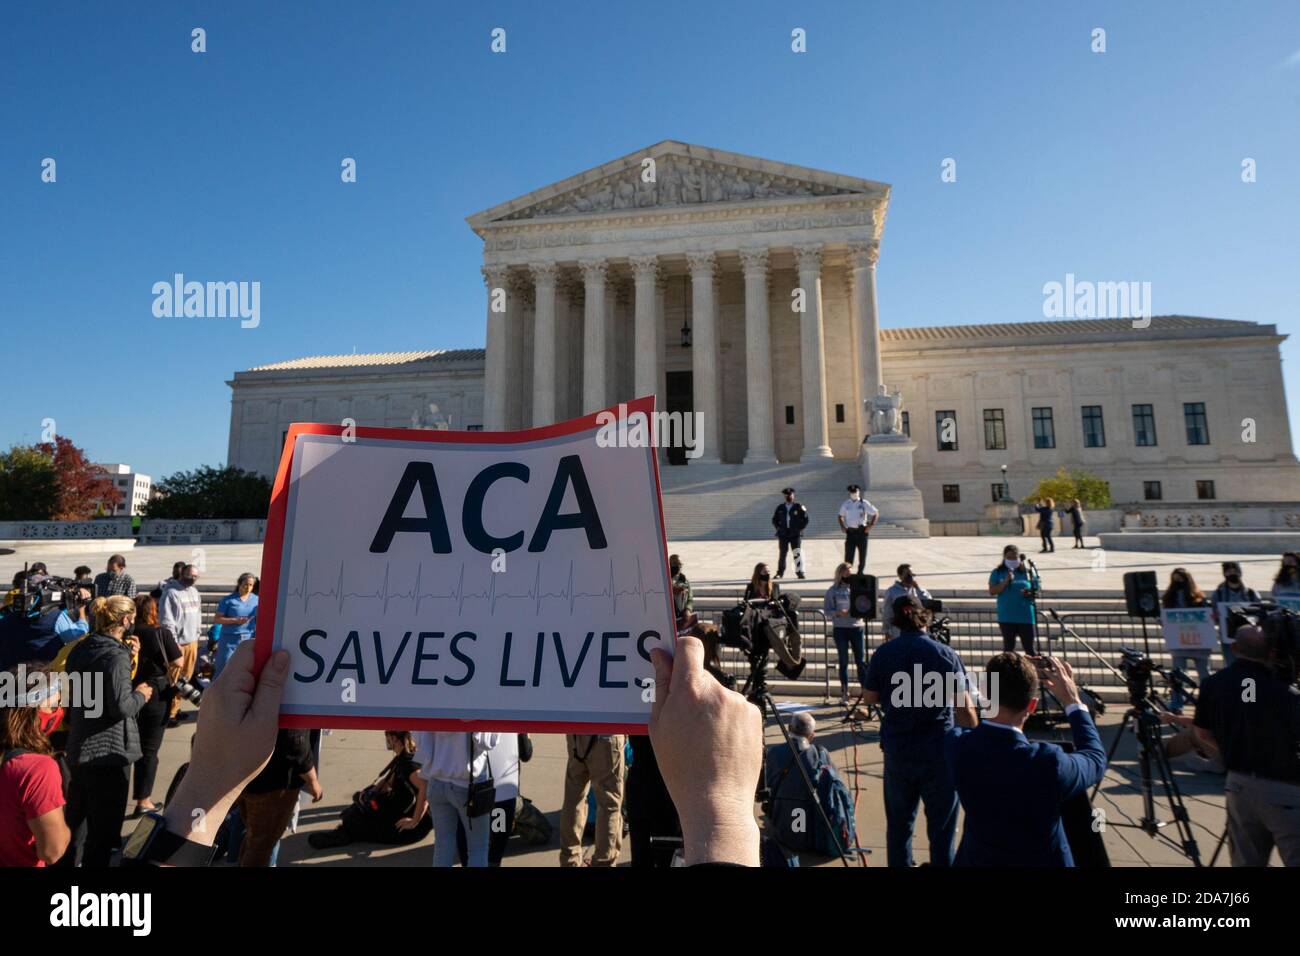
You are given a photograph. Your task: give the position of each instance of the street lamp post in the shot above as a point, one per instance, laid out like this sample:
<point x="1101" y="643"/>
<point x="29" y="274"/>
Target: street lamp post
<point x="1006" y="485"/>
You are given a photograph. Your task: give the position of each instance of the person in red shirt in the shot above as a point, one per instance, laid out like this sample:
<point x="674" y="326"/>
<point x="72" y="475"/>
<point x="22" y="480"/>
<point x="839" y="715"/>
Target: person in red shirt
<point x="32" y="829"/>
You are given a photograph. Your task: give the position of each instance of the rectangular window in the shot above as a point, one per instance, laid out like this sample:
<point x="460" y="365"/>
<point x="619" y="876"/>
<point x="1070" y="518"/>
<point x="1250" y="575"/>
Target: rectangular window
<point x="951" y="494"/>
<point x="789" y="414"/>
<point x="907" y="425"/>
<point x="474" y="428"/>
<point x="1198" y="429"/>
<point x="1205" y="490"/>
<point x="1151" y="491"/>
<point x="1094" y="428"/>
<point x="996" y="489"/>
<point x="995" y="430"/>
<point x="1044" y="429"/>
<point x="839" y="413"/>
<point x="945" y="428"/>
<point x="1144" y="426"/>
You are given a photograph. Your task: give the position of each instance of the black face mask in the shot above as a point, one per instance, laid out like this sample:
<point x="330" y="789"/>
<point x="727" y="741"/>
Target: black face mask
<point x="188" y="582"/>
<point x="765" y="576"/>
<point x="1234" y="579"/>
<point x="675" y="569"/>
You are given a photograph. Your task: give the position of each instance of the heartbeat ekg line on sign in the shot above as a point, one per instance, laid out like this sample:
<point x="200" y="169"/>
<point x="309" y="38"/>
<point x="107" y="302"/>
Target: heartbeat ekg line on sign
<point x="386" y="593"/>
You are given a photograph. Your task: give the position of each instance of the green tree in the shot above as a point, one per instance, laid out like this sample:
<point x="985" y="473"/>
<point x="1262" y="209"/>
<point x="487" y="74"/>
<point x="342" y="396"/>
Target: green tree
<point x="208" y="492"/>
<point x="1092" y="492"/>
<point x="28" y="485"/>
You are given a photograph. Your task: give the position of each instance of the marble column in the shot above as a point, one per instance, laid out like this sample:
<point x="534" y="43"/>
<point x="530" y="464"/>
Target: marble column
<point x="544" y="275"/>
<point x="866" y="326"/>
<point x="519" y="342"/>
<point x="704" y="354"/>
<point x="812" y="351"/>
<point x="758" y="358"/>
<point x="566" y="370"/>
<point x="496" y="360"/>
<point x="645" y="343"/>
<point x="593" y="334"/>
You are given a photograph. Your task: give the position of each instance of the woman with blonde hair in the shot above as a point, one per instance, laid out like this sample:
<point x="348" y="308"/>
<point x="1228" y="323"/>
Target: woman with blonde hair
<point x="1046" y="522"/>
<point x="103" y="737"/>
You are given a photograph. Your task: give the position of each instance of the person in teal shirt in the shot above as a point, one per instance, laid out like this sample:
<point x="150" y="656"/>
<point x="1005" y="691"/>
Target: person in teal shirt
<point x="1013" y="583"/>
<point x="236" y="615"/>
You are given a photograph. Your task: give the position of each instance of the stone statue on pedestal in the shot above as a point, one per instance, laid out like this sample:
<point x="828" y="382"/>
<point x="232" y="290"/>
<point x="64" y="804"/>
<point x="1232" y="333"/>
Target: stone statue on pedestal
<point x="885" y="413"/>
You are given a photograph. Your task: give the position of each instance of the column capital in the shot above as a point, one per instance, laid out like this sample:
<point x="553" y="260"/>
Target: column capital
<point x="495" y="277"/>
<point x="809" y="257"/>
<point x="567" y="284"/>
<point x="702" y="264"/>
<point x="645" y="268"/>
<point x="863" y="255"/>
<point x="544" y="273"/>
<point x="754" y="262"/>
<point x="593" y="270"/>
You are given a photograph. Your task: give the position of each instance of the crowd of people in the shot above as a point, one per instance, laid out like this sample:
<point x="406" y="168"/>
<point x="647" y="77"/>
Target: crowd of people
<point x="69" y="771"/>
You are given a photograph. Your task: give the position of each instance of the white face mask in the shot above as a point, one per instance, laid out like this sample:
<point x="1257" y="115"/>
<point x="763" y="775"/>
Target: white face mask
<point x="1012" y="563"/>
<point x="855" y="496"/>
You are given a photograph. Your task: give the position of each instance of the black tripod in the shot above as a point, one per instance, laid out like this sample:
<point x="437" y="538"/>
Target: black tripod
<point x="755" y="691"/>
<point x="1143" y="717"/>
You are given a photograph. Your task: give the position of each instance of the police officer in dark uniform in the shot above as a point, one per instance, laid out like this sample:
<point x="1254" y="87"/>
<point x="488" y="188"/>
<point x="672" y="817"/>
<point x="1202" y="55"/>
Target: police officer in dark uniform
<point x="789" y="520"/>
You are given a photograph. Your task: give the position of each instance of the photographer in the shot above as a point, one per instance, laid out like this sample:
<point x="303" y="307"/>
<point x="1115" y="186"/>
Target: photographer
<point x="1253" y="716"/>
<point x="1011" y="788"/>
<point x="785" y="640"/>
<point x="912" y="732"/>
<point x="905" y="585"/>
<point x="102" y="748"/>
<point x="1015" y="584"/>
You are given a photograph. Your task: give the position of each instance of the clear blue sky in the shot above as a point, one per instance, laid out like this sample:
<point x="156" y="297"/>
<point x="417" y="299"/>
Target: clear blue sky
<point x="225" y="165"/>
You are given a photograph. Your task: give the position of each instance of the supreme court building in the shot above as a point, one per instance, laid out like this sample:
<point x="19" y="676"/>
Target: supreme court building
<point x="744" y="290"/>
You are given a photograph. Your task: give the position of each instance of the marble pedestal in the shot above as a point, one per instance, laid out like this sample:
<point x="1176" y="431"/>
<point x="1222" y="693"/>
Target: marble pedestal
<point x="1002" y="517"/>
<point x="888" y="484"/>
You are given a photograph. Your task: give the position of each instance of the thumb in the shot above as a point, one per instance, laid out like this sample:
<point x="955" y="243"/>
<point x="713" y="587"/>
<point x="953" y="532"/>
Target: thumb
<point x="270" y="688"/>
<point x="663" y="665"/>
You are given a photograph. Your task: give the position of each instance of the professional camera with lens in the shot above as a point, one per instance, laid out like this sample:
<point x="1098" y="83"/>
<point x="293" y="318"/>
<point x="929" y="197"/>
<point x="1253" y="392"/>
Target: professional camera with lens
<point x="27" y="621"/>
<point x="1137" y="669"/>
<point x="938" y="628"/>
<point x="1281" y="629"/>
<point x="753" y="626"/>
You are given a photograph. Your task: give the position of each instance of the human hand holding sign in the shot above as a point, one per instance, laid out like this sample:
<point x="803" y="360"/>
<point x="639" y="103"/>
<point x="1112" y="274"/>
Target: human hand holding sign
<point x="708" y="743"/>
<point x="238" y="722"/>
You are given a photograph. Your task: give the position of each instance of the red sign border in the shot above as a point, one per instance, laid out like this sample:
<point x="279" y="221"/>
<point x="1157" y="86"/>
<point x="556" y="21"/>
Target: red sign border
<point x="273" y="547"/>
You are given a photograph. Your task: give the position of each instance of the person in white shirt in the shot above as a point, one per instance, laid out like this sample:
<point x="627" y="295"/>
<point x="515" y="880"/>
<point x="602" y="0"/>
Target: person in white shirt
<point x="180" y="610"/>
<point x="857" y="517"/>
<point x="448" y="763"/>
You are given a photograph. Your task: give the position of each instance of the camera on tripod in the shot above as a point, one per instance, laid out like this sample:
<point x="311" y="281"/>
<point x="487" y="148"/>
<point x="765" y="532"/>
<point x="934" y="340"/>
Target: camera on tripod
<point x="1281" y="629"/>
<point x="754" y="627"/>
<point x="938" y="628"/>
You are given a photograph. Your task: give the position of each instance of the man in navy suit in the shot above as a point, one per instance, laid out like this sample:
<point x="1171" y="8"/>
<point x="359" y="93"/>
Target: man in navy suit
<point x="1011" y="788"/>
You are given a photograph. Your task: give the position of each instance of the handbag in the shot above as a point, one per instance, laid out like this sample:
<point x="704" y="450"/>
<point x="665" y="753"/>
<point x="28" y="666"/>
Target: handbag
<point x="482" y="793"/>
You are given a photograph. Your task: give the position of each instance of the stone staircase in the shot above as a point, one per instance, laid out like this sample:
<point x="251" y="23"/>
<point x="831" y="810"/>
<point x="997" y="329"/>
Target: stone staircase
<point x="735" y="502"/>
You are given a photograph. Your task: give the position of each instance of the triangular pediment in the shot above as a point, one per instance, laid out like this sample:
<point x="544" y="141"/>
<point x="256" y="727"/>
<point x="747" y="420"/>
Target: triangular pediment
<point x="673" y="174"/>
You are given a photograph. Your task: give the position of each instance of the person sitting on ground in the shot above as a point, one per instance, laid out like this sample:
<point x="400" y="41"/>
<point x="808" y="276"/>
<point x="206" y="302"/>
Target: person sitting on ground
<point x="1012" y="789"/>
<point x="114" y="579"/>
<point x="710" y="776"/>
<point x="373" y="814"/>
<point x="33" y="832"/>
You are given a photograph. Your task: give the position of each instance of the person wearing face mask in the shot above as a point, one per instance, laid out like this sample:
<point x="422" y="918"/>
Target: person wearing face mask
<point x="763" y="590"/>
<point x="33" y="832"/>
<point x="905" y="586"/>
<point x="790" y="519"/>
<point x="1181" y="593"/>
<point x="848" y="629"/>
<point x="1014" y="583"/>
<point x="683" y="600"/>
<point x="181" y="611"/>
<point x="1287" y="582"/>
<point x="235" y="615"/>
<point x="103" y="736"/>
<point x="1232" y="591"/>
<point x="857" y="517"/>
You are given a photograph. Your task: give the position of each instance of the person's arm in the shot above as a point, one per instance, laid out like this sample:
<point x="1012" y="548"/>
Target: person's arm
<point x="130" y="587"/>
<point x="689" y="593"/>
<point x="169" y="611"/>
<point x="873" y="518"/>
<point x="311" y="783"/>
<point x="122" y="700"/>
<point x="840" y="519"/>
<point x="710" y="776"/>
<point x="421" y="804"/>
<point x="964" y="712"/>
<point x="871" y="687"/>
<point x="52" y="836"/>
<point x="1075" y="772"/>
<point x="998" y="583"/>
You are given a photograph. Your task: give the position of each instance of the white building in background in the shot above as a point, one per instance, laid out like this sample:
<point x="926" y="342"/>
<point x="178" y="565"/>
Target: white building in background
<point x="610" y="286"/>
<point x="135" y="488"/>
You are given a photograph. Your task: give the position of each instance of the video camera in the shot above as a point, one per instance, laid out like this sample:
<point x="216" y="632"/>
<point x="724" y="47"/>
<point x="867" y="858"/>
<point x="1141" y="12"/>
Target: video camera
<point x="1281" y="628"/>
<point x="42" y="595"/>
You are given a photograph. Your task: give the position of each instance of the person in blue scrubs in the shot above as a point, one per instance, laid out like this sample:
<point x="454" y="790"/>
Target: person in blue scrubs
<point x="237" y="615"/>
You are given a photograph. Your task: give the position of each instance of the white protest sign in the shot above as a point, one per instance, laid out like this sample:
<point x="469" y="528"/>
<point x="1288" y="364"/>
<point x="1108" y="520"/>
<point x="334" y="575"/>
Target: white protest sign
<point x="439" y="580"/>
<point x="1188" y="629"/>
